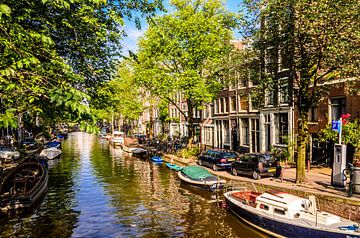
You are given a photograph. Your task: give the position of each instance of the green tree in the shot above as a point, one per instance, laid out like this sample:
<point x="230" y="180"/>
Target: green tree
<point x="120" y="97"/>
<point x="182" y="52"/>
<point x="54" y="53"/>
<point x="317" y="41"/>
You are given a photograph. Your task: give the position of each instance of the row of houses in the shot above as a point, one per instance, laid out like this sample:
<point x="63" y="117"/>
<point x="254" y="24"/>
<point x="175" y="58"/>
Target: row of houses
<point x="232" y="121"/>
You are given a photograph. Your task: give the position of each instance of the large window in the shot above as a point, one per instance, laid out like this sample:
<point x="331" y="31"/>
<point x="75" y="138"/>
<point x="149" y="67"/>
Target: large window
<point x="284" y="90"/>
<point x="313" y="114"/>
<point x="283" y="127"/>
<point x="244" y="103"/>
<point x="271" y="97"/>
<point x="226" y="104"/>
<point x="255" y="135"/>
<point x="338" y="107"/>
<point x="233" y="104"/>
<point x="245" y="131"/>
<point x="221" y="110"/>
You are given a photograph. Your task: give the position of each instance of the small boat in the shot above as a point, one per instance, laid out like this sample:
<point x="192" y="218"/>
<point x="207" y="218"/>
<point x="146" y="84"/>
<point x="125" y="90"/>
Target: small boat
<point x="23" y="185"/>
<point x="156" y="159"/>
<point x="134" y="150"/>
<point x="8" y="154"/>
<point x="117" y="138"/>
<point x="55" y="144"/>
<point x="51" y="153"/>
<point x="281" y="214"/>
<point x="174" y="166"/>
<point x="199" y="177"/>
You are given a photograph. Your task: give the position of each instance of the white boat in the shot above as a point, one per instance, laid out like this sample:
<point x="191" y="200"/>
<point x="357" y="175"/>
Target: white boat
<point x="8" y="153"/>
<point x="134" y="150"/>
<point x="118" y="138"/>
<point x="51" y="153"/>
<point x="281" y="214"/>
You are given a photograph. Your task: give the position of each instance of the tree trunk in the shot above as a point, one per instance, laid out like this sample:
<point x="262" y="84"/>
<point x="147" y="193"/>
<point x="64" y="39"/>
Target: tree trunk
<point x="303" y="137"/>
<point x="190" y="120"/>
<point x="151" y="123"/>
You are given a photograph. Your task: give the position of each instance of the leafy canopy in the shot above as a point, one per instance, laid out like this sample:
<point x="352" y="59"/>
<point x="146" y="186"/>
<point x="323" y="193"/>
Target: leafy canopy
<point x="183" y="51"/>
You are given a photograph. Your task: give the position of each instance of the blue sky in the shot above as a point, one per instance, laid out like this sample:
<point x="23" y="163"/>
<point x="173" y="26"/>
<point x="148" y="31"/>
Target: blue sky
<point x="129" y="43"/>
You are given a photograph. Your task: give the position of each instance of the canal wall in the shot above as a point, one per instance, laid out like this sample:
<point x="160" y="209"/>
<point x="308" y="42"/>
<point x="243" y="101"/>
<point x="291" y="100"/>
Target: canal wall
<point x="327" y="199"/>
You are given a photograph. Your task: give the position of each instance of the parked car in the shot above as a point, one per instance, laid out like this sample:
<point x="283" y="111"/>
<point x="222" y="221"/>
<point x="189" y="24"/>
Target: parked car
<point x="141" y="138"/>
<point x="217" y="159"/>
<point x="256" y="165"/>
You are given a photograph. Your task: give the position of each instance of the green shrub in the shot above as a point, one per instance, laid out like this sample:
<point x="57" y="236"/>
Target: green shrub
<point x="189" y="152"/>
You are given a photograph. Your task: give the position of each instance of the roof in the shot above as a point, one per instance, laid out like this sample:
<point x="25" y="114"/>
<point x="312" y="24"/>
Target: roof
<point x="280" y="199"/>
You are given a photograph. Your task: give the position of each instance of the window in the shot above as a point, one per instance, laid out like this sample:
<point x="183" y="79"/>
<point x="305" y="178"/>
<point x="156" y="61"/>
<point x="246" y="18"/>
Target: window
<point x="255" y="135"/>
<point x="264" y="207"/>
<point x="338" y="107"/>
<point x="216" y="106"/>
<point x="226" y="132"/>
<point x="226" y="104"/>
<point x="244" y="103"/>
<point x="233" y="104"/>
<point x="313" y="114"/>
<point x="279" y="211"/>
<point x="245" y="131"/>
<point x="221" y="105"/>
<point x="271" y="97"/>
<point x="244" y="159"/>
<point x="283" y="124"/>
<point x="284" y="90"/>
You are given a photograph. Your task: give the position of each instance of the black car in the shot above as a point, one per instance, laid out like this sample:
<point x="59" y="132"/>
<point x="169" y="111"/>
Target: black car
<point x="217" y="159"/>
<point x="141" y="138"/>
<point x="256" y="165"/>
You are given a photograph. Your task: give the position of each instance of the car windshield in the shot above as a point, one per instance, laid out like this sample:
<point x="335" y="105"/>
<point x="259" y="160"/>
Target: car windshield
<point x="230" y="155"/>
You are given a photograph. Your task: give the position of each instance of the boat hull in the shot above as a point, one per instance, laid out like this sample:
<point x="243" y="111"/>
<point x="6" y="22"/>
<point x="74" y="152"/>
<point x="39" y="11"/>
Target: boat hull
<point x="212" y="186"/>
<point x="278" y="228"/>
<point x="27" y="200"/>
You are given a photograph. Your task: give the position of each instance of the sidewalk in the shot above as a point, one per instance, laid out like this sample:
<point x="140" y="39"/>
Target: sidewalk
<point x="330" y="199"/>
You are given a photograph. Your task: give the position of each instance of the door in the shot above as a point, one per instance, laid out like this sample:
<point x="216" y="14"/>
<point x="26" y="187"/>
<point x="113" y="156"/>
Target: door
<point x="242" y="164"/>
<point x="252" y="165"/>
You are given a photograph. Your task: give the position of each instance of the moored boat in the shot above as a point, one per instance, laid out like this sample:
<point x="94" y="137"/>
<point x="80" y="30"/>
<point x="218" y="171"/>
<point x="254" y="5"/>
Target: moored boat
<point x="23" y="185"/>
<point x="199" y="177"/>
<point x="284" y="215"/>
<point x="51" y="153"/>
<point x="55" y="144"/>
<point x="156" y="159"/>
<point x="117" y="138"/>
<point x="8" y="154"/>
<point x="174" y="166"/>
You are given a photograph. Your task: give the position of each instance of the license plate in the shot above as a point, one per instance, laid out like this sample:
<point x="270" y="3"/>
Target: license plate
<point x="272" y="170"/>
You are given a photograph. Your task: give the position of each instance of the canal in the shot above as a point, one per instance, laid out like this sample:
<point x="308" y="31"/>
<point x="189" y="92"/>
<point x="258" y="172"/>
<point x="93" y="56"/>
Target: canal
<point x="95" y="190"/>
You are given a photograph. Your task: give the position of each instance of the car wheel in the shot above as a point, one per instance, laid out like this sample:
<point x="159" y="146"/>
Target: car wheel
<point x="214" y="167"/>
<point x="234" y="171"/>
<point x="200" y="162"/>
<point x="255" y="175"/>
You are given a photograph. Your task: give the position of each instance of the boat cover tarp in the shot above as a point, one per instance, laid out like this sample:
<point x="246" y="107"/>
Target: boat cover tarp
<point x="197" y="173"/>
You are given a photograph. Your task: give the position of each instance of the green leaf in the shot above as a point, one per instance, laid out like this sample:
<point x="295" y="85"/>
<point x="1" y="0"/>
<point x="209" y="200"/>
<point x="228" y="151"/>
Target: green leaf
<point x="5" y="9"/>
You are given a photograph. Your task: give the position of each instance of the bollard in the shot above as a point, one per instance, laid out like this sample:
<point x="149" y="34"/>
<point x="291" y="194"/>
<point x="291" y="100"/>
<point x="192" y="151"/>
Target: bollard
<point x="349" y="169"/>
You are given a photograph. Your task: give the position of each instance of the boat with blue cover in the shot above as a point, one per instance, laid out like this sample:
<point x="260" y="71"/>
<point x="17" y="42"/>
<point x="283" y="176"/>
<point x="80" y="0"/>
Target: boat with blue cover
<point x="280" y="214"/>
<point x="156" y="159"/>
<point x="55" y="144"/>
<point x="199" y="177"/>
<point x="174" y="166"/>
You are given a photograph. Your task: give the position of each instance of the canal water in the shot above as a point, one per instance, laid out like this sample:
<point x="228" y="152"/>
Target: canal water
<point x="96" y="190"/>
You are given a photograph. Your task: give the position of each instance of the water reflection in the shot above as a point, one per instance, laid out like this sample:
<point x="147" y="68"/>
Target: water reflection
<point x="96" y="190"/>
